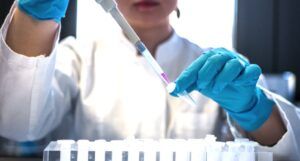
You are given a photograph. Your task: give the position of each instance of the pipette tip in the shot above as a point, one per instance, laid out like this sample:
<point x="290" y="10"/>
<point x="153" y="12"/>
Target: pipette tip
<point x="187" y="98"/>
<point x="183" y="95"/>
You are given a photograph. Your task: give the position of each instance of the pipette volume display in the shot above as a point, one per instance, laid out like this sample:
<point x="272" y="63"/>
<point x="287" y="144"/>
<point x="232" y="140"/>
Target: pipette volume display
<point x="111" y="7"/>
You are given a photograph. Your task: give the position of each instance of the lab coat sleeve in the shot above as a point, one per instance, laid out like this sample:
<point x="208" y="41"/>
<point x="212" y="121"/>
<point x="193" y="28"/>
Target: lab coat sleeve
<point x="34" y="93"/>
<point x="288" y="147"/>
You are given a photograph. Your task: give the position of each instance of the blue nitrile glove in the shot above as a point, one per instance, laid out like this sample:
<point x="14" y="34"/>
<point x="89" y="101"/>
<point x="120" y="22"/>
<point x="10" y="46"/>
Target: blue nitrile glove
<point x="229" y="79"/>
<point x="44" y="9"/>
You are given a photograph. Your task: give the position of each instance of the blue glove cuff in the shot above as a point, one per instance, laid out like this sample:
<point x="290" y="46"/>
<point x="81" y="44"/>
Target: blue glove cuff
<point x="254" y="118"/>
<point x="40" y="11"/>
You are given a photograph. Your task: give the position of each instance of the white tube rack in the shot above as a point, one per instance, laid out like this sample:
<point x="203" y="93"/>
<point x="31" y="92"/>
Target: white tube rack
<point x="207" y="149"/>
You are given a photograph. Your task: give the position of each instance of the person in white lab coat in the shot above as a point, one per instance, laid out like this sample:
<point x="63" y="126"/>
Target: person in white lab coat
<point x="106" y="90"/>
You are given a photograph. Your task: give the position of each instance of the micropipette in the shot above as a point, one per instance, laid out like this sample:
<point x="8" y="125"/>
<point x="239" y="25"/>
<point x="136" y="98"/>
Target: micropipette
<point x="110" y="6"/>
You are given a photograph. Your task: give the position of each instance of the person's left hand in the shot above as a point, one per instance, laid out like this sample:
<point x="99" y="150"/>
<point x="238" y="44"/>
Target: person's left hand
<point x="230" y="80"/>
<point x="44" y="9"/>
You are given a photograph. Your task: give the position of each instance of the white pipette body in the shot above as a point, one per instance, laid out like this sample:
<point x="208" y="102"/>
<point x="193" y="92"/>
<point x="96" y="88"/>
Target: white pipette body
<point x="111" y="7"/>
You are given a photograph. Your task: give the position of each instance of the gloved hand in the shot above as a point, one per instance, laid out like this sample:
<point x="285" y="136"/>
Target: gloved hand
<point x="229" y="79"/>
<point x="44" y="9"/>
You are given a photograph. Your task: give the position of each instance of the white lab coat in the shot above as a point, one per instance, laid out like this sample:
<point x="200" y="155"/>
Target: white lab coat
<point x="103" y="90"/>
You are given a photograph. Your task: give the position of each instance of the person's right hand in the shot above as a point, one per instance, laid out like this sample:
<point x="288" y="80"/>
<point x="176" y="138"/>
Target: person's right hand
<point x="44" y="9"/>
<point x="231" y="81"/>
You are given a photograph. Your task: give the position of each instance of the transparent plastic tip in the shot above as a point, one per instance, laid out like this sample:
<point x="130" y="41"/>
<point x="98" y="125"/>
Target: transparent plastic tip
<point x="187" y="98"/>
<point x="183" y="95"/>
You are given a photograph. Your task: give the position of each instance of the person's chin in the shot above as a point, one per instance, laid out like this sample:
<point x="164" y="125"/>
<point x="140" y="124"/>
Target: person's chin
<point x="146" y="23"/>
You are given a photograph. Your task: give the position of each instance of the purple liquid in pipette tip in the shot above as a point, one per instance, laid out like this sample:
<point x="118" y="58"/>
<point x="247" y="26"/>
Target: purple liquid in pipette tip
<point x="166" y="79"/>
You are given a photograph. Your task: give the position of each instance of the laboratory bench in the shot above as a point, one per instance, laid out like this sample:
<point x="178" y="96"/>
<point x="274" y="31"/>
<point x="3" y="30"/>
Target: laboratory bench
<point x="20" y="159"/>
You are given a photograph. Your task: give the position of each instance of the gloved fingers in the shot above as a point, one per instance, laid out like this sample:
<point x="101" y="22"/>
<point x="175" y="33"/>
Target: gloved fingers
<point x="249" y="76"/>
<point x="222" y="51"/>
<point x="211" y="69"/>
<point x="243" y="60"/>
<point x="189" y="75"/>
<point x="44" y="9"/>
<point x="192" y="87"/>
<point x="230" y="72"/>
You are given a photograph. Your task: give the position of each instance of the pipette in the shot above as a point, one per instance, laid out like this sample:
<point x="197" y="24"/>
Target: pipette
<point x="110" y="6"/>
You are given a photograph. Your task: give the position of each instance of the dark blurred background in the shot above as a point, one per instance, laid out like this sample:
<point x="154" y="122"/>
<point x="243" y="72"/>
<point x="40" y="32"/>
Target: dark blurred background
<point x="266" y="31"/>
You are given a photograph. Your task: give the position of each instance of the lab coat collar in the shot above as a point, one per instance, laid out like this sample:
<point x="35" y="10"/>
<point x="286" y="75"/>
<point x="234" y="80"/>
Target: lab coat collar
<point x="169" y="50"/>
<point x="171" y="42"/>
